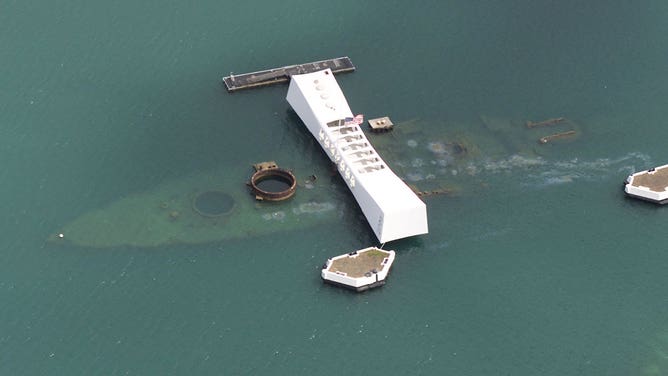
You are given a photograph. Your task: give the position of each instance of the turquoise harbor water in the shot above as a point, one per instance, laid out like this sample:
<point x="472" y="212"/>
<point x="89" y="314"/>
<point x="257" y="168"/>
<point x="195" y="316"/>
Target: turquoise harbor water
<point x="536" y="265"/>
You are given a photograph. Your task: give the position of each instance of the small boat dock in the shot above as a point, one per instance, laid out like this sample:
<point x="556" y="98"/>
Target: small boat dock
<point x="359" y="270"/>
<point x="235" y="82"/>
<point x="650" y="185"/>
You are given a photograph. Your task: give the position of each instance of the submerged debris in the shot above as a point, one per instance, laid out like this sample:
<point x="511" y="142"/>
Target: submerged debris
<point x="546" y="139"/>
<point x="437" y="191"/>
<point x="553" y="121"/>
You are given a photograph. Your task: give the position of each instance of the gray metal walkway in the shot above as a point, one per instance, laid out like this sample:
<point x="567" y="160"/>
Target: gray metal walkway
<point x="235" y="82"/>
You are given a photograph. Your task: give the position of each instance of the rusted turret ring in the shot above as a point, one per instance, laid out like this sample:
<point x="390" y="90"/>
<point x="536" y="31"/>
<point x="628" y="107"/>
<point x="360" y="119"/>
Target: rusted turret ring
<point x="273" y="173"/>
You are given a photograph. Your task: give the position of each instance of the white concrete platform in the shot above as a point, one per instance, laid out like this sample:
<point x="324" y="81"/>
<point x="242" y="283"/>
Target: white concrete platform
<point x="649" y="185"/>
<point x="392" y="209"/>
<point x="359" y="270"/>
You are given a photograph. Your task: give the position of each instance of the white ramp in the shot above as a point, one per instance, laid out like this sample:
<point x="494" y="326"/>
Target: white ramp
<point x="392" y="209"/>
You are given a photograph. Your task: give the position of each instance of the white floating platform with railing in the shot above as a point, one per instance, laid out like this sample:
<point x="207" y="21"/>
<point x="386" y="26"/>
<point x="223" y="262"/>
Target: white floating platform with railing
<point x="649" y="185"/>
<point x="359" y="270"/>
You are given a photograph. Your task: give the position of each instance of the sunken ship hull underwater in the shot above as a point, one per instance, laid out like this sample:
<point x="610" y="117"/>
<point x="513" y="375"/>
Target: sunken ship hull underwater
<point x="432" y="157"/>
<point x="427" y="157"/>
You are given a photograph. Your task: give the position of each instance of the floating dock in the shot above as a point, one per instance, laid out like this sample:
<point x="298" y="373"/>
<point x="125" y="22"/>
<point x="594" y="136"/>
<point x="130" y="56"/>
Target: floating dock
<point x="649" y="185"/>
<point x="235" y="82"/>
<point x="392" y="209"/>
<point x="360" y="270"/>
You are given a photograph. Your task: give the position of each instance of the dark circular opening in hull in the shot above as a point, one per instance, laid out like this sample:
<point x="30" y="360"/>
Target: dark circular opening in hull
<point x="213" y="203"/>
<point x="274" y="184"/>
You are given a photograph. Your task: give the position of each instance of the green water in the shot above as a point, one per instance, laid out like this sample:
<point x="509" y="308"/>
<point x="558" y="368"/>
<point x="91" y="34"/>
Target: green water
<point x="542" y="269"/>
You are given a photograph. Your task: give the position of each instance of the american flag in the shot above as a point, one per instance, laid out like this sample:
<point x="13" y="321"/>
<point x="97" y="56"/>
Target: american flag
<point x="358" y="119"/>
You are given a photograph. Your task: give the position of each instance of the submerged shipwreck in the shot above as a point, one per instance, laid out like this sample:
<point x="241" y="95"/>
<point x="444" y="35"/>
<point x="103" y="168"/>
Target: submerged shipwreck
<point x="199" y="208"/>
<point x="412" y="158"/>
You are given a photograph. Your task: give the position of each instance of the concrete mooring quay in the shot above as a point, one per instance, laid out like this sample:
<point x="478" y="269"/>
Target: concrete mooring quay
<point x="235" y="82"/>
